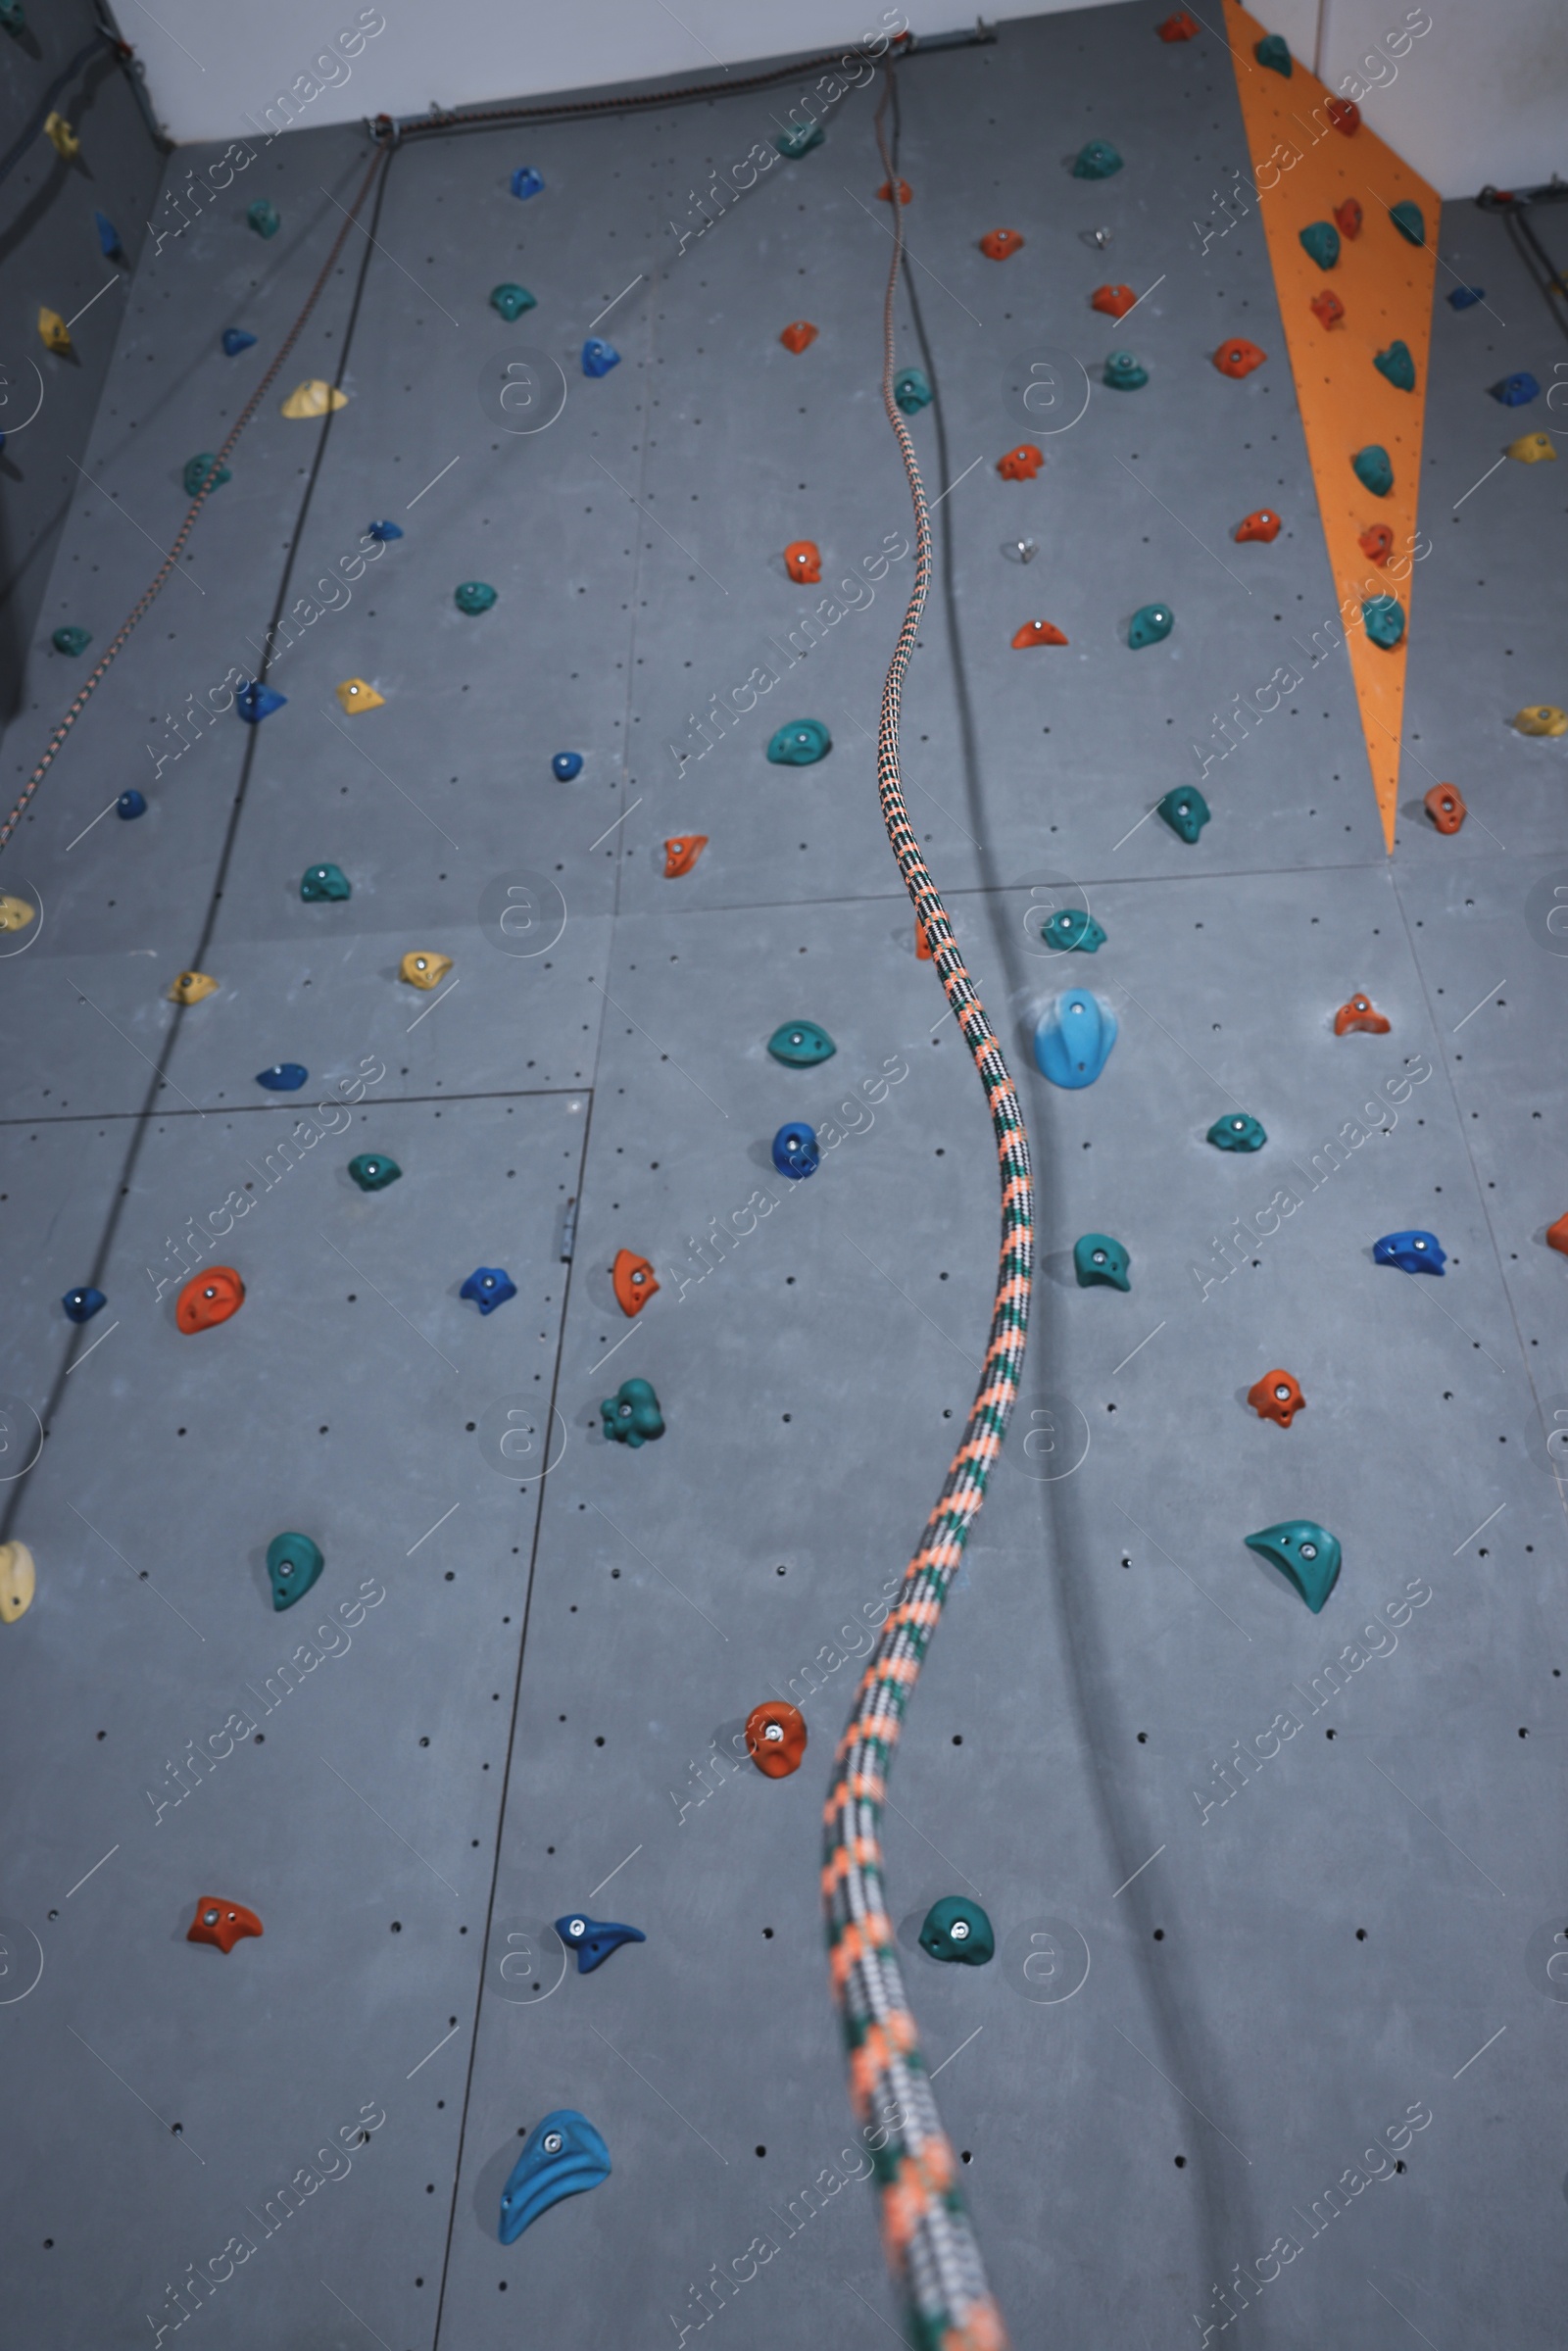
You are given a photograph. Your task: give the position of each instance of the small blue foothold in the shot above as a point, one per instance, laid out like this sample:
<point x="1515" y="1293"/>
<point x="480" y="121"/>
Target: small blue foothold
<point x="598" y="357"/>
<point x="130" y="804"/>
<point x="1240" y="1131"/>
<point x="593" y="1940"/>
<point x="1411" y="1253"/>
<point x="527" y="181"/>
<point x="109" y="240"/>
<point x="1073" y="928"/>
<point x="384" y="531"/>
<point x="566" y="764"/>
<point x="1383" y="618"/>
<point x="1305" y="1553"/>
<point x="912" y="390"/>
<point x="1515" y="390"/>
<point x="255" y="702"/>
<point x="1074" y="1038"/>
<point x="236" y="340"/>
<point x="489" y="1288"/>
<point x="1149" y="624"/>
<point x="561" y="2156"/>
<point x="1096" y="160"/>
<point x="794" y="1151"/>
<point x="82" y="1304"/>
<point x="284" y="1077"/>
<point x="801" y="744"/>
<point x="1464" y="298"/>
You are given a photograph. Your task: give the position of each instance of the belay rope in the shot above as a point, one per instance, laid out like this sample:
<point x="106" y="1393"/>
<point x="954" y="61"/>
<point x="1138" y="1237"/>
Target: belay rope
<point x="930" y="2244"/>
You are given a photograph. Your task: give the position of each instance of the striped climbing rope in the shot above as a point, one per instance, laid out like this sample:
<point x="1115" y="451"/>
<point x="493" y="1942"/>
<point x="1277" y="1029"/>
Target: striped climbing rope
<point x="930" y="2244"/>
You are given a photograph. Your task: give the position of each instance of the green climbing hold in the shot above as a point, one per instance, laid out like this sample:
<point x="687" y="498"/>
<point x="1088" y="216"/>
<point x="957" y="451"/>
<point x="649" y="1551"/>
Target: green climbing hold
<point x="1095" y="160"/>
<point x="1073" y="928"/>
<point x="265" y="217"/>
<point x="1407" y="219"/>
<point x="631" y="1415"/>
<point x="1274" y="52"/>
<point x="1373" y="469"/>
<point x="373" y="1171"/>
<point x="1397" y="365"/>
<point x="799" y="140"/>
<point x="801" y="744"/>
<point x="1305" y="1553"/>
<point x="1149" y="624"/>
<point x="72" y="640"/>
<point x="1096" y="1258"/>
<point x="510" y="301"/>
<point x="1185" y="812"/>
<point x="911" y="391"/>
<point x="1237" y="1131"/>
<point x="1124" y="374"/>
<point x="801" y="1045"/>
<point x="1384" y="619"/>
<point x="1321" y="240"/>
<point x="474" y="595"/>
<point x="199" y="474"/>
<point x="324" y="881"/>
<point x="294" y="1563"/>
<point x="957" y="1929"/>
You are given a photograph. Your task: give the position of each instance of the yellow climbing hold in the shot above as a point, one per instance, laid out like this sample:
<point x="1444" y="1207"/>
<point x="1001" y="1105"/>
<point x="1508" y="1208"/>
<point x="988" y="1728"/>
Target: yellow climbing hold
<point x="423" y="969"/>
<point x="356" y="693"/>
<point x="191" y="986"/>
<point x="61" y="138"/>
<point x="1532" y="447"/>
<point x="1543" y="718"/>
<point x="54" y="331"/>
<point x="16" y="914"/>
<point x="19" y="1581"/>
<point x="313" y="399"/>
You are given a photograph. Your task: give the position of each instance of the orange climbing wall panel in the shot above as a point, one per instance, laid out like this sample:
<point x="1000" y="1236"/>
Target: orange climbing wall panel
<point x="1302" y="169"/>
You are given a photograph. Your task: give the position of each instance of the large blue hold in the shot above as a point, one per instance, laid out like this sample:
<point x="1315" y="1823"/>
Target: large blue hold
<point x="527" y="181"/>
<point x="1464" y="297"/>
<point x="236" y="340"/>
<point x="561" y="2156"/>
<point x="565" y="764"/>
<point x="489" y="1287"/>
<point x="1515" y="390"/>
<point x="794" y="1151"/>
<point x="82" y="1304"/>
<point x="598" y="357"/>
<point x="284" y="1077"/>
<point x="130" y="804"/>
<point x="593" y="1940"/>
<point x="255" y="702"/>
<point x="1411" y="1253"/>
<point x="1074" y="1038"/>
<point x="384" y="531"/>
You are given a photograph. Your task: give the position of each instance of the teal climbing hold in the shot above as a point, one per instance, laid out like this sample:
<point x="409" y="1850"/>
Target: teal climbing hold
<point x="1149" y="624"/>
<point x="957" y="1929"/>
<point x="1096" y="1258"/>
<point x="373" y="1171"/>
<point x="324" y="881"/>
<point x="1397" y="365"/>
<point x="801" y="744"/>
<point x="1274" y="52"/>
<point x="510" y="301"/>
<point x="1074" y="929"/>
<point x="1073" y="1039"/>
<point x="1321" y="240"/>
<point x="1384" y="619"/>
<point x="72" y="640"/>
<point x="1097" y="159"/>
<point x="1185" y="812"/>
<point x="801" y="1045"/>
<point x="199" y="474"/>
<point x="1305" y="1553"/>
<point x="294" y="1563"/>
<point x="631" y="1416"/>
<point x="1407" y="219"/>
<point x="474" y="595"/>
<point x="265" y="217"/>
<point x="1237" y="1131"/>
<point x="911" y="391"/>
<point x="1124" y="374"/>
<point x="799" y="140"/>
<point x="1374" y="469"/>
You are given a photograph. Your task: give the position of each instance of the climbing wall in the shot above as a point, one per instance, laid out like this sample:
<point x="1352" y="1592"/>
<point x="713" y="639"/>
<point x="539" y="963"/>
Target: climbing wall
<point x="1270" y="1888"/>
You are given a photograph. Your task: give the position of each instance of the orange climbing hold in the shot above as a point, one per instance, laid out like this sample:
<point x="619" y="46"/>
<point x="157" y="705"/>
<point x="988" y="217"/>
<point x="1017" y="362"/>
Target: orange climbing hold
<point x="208" y="1298"/>
<point x="1328" y="308"/>
<point x="1179" y="27"/>
<point x="682" y="853"/>
<point x="1359" y="1014"/>
<point x="1348" y="218"/>
<point x="1377" y="543"/>
<point x="799" y="334"/>
<point x="633" y="1281"/>
<point x="922" y="945"/>
<point x="906" y="193"/>
<point x="1115" y="301"/>
<point x="1037" y="632"/>
<point x="1264" y="524"/>
<point x="1021" y="463"/>
<point x="776" y="1738"/>
<point x="1239" y="358"/>
<point x="1557" y="1235"/>
<point x="1345" y="115"/>
<point x="221" y="1923"/>
<point x="999" y="244"/>
<point x="1444" y="805"/>
<point x="802" y="560"/>
<point x="1277" y="1395"/>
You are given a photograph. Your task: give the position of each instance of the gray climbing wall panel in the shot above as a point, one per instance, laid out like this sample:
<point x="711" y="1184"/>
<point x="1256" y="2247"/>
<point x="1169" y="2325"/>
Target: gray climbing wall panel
<point x="1270" y="1889"/>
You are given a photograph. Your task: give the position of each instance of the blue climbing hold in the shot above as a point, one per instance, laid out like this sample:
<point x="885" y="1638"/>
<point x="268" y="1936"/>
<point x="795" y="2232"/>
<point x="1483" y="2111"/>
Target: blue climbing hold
<point x="1464" y="298"/>
<point x="1237" y="1131"/>
<point x="1149" y="624"/>
<point x="474" y="595"/>
<point x="801" y="744"/>
<point x="794" y="1151"/>
<point x="512" y="301"/>
<point x="957" y="1929"/>
<point x="373" y="1171"/>
<point x="565" y="764"/>
<point x="1305" y="1553"/>
<point x="1407" y="219"/>
<point x="236" y="340"/>
<point x="255" y="702"/>
<point x="801" y="1045"/>
<point x="1073" y="930"/>
<point x="284" y="1077"/>
<point x="1515" y="390"/>
<point x="1097" y="1257"/>
<point x="204" y="472"/>
<point x="72" y="640"/>
<point x="318" y="882"/>
<point x="1321" y="240"/>
<point x="1411" y="1253"/>
<point x="1373" y="469"/>
<point x="489" y="1288"/>
<point x="1384" y="619"/>
<point x="130" y="804"/>
<point x="799" y="140"/>
<point x="1397" y="364"/>
<point x="294" y="1563"/>
<point x="911" y="391"/>
<point x="1095" y="160"/>
<point x="1074" y="1038"/>
<point x="82" y="1304"/>
<point x="598" y="357"/>
<point x="631" y="1416"/>
<point x="265" y="217"/>
<point x="384" y="531"/>
<point x="527" y="181"/>
<point x="109" y="240"/>
<point x="1124" y="374"/>
<point x="593" y="1940"/>
<point x="561" y="2156"/>
<point x="1185" y="810"/>
<point x="1274" y="52"/>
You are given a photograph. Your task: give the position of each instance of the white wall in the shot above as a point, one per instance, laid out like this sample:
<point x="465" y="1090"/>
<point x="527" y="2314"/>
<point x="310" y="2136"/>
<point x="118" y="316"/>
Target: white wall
<point x="1482" y="96"/>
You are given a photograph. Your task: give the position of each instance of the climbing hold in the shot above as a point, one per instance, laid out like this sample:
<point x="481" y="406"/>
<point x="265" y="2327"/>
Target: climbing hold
<point x="911" y="391"/>
<point x="1377" y="543"/>
<point x="631" y="1416"/>
<point x="312" y="398"/>
<point x="19" y="1581"/>
<point x="221" y="1923"/>
<point x="54" y="331"/>
<point x="955" y="1929"/>
<point x="1305" y="1553"/>
<point x="681" y="853"/>
<point x="598" y="357"/>
<point x="61" y="138"/>
<point x="1037" y="632"/>
<point x="1407" y="219"/>
<point x="1543" y="719"/>
<point x="593" y="1940"/>
<point x="561" y="2156"/>
<point x="1185" y="812"/>
<point x="1320" y="239"/>
<point x="1277" y="1395"/>
<point x="1179" y="27"/>
<point x="801" y="1045"/>
<point x="109" y="244"/>
<point x="265" y="217"/>
<point x="799" y="140"/>
<point x="801" y="744"/>
<point x="489" y="1287"/>
<point x="1359" y="1015"/>
<point x="512" y="301"/>
<point x="1345" y="115"/>
<point x="1073" y="930"/>
<point x="130" y="804"/>
<point x="1021" y="463"/>
<point x="1348" y="218"/>
<point x="236" y="340"/>
<point x="423" y="970"/>
<point x="82" y="1304"/>
<point x="1240" y="1131"/>
<point x="527" y="181"/>
<point x="1097" y="1259"/>
<point x="798" y="335"/>
<point x="884" y="193"/>
<point x="776" y="1738"/>
<point x="208" y="1299"/>
<point x="14" y="914"/>
<point x="1124" y="374"/>
<point x="1239" y="358"/>
<point x="1149" y="624"/>
<point x="12" y="16"/>
<point x="1531" y="447"/>
<point x="1411" y="1253"/>
<point x="324" y="881"/>
<point x="794" y="1151"/>
<point x="1373" y="469"/>
<point x="1557" y="1237"/>
<point x="255" y="702"/>
<point x="1445" y="808"/>
<point x="1384" y="619"/>
<point x="1464" y="298"/>
<point x="294" y="1563"/>
<point x="373" y="1171"/>
<point x="802" y="560"/>
<point x="922" y="945"/>
<point x="191" y="986"/>
<point x="633" y="1280"/>
<point x="1328" y="308"/>
<point x="1397" y="364"/>
<point x="1263" y="525"/>
<point x="355" y="695"/>
<point x="1020" y="550"/>
<point x="1074" y="1038"/>
<point x="1515" y="391"/>
<point x="73" y="641"/>
<point x="474" y="595"/>
<point x="1115" y="301"/>
<point x="284" y="1077"/>
<point x="1000" y="244"/>
<point x="1095" y="160"/>
<point x="565" y="764"/>
<point x="204" y="472"/>
<point x="1274" y="52"/>
<point x="383" y="531"/>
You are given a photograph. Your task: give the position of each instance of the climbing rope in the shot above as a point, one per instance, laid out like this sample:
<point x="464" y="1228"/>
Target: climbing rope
<point x="929" y="2241"/>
